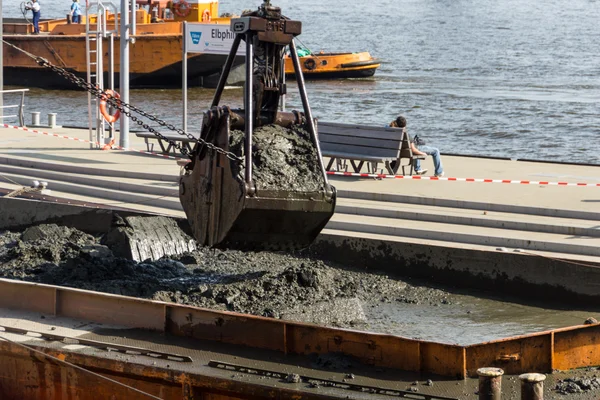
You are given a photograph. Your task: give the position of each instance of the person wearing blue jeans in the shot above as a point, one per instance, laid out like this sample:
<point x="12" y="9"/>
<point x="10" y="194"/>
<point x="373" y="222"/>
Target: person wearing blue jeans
<point x="400" y="122"/>
<point x="75" y="12"/>
<point x="35" y="9"/>
<point x="430" y="151"/>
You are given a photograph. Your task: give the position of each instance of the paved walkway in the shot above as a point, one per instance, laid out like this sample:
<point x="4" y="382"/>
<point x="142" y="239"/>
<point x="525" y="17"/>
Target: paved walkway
<point x="523" y="211"/>
<point x="547" y="196"/>
<point x="27" y="145"/>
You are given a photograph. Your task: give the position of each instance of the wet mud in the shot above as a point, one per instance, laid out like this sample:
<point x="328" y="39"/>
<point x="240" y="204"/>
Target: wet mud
<point x="270" y="284"/>
<point x="283" y="158"/>
<point x="276" y="285"/>
<point x="579" y="384"/>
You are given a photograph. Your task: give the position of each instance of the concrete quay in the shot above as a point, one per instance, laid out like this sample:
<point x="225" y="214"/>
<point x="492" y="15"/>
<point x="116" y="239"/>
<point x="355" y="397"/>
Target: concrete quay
<point x="503" y="235"/>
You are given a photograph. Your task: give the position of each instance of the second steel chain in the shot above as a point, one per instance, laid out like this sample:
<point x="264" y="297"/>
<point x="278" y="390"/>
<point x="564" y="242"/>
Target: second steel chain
<point x="124" y="109"/>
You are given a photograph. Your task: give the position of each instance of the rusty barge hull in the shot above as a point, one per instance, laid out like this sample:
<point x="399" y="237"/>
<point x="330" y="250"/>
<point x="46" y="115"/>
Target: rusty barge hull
<point x="194" y="342"/>
<point x="68" y="52"/>
<point x="176" y="351"/>
<point x="200" y="67"/>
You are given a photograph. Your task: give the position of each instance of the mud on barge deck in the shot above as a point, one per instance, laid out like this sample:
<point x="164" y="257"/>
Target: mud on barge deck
<point x="154" y="341"/>
<point x="175" y="351"/>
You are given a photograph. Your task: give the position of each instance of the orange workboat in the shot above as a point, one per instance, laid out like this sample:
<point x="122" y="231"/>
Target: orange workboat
<point x="334" y="65"/>
<point x="155" y="57"/>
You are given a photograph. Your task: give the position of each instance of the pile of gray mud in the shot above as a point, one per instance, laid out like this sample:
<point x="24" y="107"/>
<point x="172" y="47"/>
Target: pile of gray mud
<point x="283" y="158"/>
<point x="577" y="385"/>
<point x="269" y="284"/>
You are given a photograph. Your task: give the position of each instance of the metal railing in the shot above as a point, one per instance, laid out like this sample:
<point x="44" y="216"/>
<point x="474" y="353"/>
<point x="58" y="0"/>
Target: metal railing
<point x="19" y="106"/>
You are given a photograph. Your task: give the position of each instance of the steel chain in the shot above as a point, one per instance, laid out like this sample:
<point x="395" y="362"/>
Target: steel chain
<point x="123" y="108"/>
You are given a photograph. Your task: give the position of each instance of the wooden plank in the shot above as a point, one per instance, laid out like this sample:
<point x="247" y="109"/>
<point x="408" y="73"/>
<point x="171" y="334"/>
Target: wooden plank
<point x="385" y="143"/>
<point x="363" y="151"/>
<point x="351" y="156"/>
<point x="175" y="137"/>
<point x="358" y="130"/>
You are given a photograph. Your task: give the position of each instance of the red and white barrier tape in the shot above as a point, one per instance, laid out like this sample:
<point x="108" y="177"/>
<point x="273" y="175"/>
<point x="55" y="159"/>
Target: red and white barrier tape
<point x="433" y="178"/>
<point x="89" y="142"/>
<point x="336" y="173"/>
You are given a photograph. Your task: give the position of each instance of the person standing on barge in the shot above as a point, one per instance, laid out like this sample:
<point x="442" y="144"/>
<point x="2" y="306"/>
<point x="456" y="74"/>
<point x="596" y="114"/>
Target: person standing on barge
<point x="35" y="9"/>
<point x="75" y="12"/>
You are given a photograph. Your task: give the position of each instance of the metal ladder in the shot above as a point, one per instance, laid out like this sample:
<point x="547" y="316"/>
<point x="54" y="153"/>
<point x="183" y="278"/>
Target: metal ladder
<point x="95" y="35"/>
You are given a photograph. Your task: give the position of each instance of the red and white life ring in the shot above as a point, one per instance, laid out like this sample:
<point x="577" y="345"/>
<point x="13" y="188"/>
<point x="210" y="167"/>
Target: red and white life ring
<point x="182" y="8"/>
<point x="107" y="95"/>
<point x="206" y="15"/>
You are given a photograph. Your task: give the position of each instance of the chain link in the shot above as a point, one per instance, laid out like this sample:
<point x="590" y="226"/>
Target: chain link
<point x="126" y="109"/>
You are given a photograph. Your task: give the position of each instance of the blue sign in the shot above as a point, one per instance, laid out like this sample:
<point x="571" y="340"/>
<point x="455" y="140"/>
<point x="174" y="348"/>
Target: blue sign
<point x="196" y="37"/>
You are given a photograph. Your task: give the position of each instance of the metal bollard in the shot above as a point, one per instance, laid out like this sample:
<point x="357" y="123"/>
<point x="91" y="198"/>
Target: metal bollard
<point x="490" y="383"/>
<point x="35" y="118"/>
<point x="532" y="386"/>
<point x="52" y="120"/>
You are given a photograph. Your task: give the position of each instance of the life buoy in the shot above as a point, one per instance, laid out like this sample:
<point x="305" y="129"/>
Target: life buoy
<point x="206" y="15"/>
<point x="107" y="95"/>
<point x="182" y="8"/>
<point x="310" y="64"/>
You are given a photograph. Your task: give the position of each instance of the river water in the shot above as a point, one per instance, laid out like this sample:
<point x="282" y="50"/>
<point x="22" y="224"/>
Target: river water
<point x="514" y="78"/>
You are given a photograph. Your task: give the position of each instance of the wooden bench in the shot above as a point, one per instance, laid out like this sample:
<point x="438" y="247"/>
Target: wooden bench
<point x="165" y="146"/>
<point x="360" y="144"/>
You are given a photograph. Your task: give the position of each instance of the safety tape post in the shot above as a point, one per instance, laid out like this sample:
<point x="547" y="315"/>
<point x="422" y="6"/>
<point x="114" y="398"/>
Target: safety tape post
<point x="110" y="146"/>
<point x="436" y="178"/>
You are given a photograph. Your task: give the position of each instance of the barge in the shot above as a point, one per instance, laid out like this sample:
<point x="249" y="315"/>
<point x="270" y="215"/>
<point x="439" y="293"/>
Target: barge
<point x="86" y="344"/>
<point x="155" y="57"/>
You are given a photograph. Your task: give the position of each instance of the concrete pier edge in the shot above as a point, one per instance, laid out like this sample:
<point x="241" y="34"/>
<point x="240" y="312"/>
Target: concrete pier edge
<point x="524" y="275"/>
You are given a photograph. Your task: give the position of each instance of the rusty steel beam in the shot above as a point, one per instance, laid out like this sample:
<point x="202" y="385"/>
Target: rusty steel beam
<point x="154" y="354"/>
<point x="327" y="382"/>
<point x="562" y="349"/>
<point x="28" y="375"/>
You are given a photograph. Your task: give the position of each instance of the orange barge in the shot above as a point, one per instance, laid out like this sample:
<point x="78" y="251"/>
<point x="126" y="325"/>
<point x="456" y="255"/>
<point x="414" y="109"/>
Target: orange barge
<point x="155" y="57"/>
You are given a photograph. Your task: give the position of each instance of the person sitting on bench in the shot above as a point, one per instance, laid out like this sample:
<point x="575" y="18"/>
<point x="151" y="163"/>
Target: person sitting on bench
<point x="418" y="147"/>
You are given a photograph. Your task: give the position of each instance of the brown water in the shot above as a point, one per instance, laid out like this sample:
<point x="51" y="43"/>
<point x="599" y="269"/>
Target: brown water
<point x="469" y="319"/>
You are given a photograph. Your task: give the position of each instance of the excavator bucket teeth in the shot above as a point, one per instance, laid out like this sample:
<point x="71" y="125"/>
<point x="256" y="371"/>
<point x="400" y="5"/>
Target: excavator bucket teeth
<point x="223" y="213"/>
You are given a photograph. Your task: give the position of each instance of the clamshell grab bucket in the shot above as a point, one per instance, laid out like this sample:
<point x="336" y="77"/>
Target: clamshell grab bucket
<point x="256" y="178"/>
<point x="223" y="213"/>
